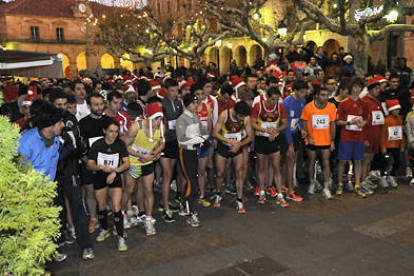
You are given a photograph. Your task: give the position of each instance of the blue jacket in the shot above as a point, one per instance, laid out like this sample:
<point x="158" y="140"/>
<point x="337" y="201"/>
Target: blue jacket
<point x="33" y="148"/>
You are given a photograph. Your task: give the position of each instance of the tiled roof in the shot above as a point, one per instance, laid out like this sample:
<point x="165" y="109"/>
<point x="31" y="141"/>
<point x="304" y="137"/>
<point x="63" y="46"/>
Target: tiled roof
<point x="58" y="8"/>
<point x="55" y="8"/>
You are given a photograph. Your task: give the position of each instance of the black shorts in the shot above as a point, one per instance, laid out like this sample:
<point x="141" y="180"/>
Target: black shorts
<point x="296" y="141"/>
<point x="314" y="148"/>
<point x="170" y="150"/>
<point x="86" y="175"/>
<point x="262" y="145"/>
<point x="99" y="181"/>
<point x="145" y="170"/>
<point x="224" y="150"/>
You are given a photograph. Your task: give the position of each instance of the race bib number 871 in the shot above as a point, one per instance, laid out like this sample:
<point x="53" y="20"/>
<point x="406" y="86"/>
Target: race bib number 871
<point x="109" y="160"/>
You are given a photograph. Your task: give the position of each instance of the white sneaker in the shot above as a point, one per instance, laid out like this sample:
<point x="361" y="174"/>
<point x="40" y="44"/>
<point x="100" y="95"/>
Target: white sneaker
<point x="122" y="246"/>
<point x="135" y="210"/>
<point x="412" y="182"/>
<point x="193" y="220"/>
<point x="184" y="210"/>
<point x="409" y="172"/>
<point x="311" y="189"/>
<point x="327" y="194"/>
<point x="149" y="227"/>
<point x="127" y="224"/>
<point x="103" y="235"/>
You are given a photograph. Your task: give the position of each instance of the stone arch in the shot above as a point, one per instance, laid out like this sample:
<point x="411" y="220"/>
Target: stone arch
<point x="81" y="61"/>
<point x="107" y="61"/>
<point x="213" y="55"/>
<point x="126" y="64"/>
<point x="225" y="60"/>
<point x="66" y="65"/>
<point x="241" y="56"/>
<point x="330" y="46"/>
<point x="255" y="51"/>
<point x="311" y="45"/>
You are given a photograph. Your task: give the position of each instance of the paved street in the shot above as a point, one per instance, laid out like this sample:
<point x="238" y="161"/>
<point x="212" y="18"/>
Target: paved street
<point x="346" y="236"/>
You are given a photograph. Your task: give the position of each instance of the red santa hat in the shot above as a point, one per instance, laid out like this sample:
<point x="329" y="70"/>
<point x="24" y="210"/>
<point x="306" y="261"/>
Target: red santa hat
<point x="162" y="93"/>
<point x="185" y="84"/>
<point x="31" y="96"/>
<point x="237" y="82"/>
<point x="381" y="79"/>
<point x="129" y="89"/>
<point x="153" y="111"/>
<point x="393" y="105"/>
<point x="372" y="83"/>
<point x="155" y="85"/>
<point x="127" y="80"/>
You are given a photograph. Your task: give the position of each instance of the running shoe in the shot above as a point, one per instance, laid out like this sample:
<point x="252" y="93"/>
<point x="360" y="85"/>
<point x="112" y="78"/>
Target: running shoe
<point x="134" y="220"/>
<point x="87" y="254"/>
<point x="231" y="189"/>
<point x="311" y="189"/>
<point x="292" y="196"/>
<point x="391" y="181"/>
<point x="70" y="236"/>
<point x="217" y="201"/>
<point x="282" y="202"/>
<point x="59" y="257"/>
<point x="175" y="207"/>
<point x="271" y="191"/>
<point x="149" y="228"/>
<point x="103" y="235"/>
<point x="257" y="191"/>
<point x="93" y="224"/>
<point x="412" y="182"/>
<point x="383" y="182"/>
<point x="327" y="194"/>
<point x="349" y="186"/>
<point x="285" y="190"/>
<point x="167" y="215"/>
<point x="409" y="172"/>
<point x="203" y="202"/>
<point x="359" y="193"/>
<point x="127" y="224"/>
<point x="122" y="246"/>
<point x="193" y="220"/>
<point x="240" y="207"/>
<point x="135" y="210"/>
<point x="262" y="197"/>
<point x="340" y="189"/>
<point x="366" y="188"/>
<point x="184" y="210"/>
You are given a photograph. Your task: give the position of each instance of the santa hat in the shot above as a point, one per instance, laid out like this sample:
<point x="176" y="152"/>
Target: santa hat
<point x="153" y="111"/>
<point x="129" y="89"/>
<point x="237" y="82"/>
<point x="186" y="84"/>
<point x="29" y="98"/>
<point x="162" y="93"/>
<point x="127" y="79"/>
<point x="393" y="105"/>
<point x="155" y="85"/>
<point x="381" y="79"/>
<point x="372" y="83"/>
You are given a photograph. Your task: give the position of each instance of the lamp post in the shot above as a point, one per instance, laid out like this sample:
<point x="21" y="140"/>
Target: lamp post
<point x="391" y="18"/>
<point x="218" y="44"/>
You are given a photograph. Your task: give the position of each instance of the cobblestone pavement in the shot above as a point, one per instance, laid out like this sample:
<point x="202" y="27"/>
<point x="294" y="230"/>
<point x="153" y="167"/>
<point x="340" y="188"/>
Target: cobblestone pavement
<point x="344" y="236"/>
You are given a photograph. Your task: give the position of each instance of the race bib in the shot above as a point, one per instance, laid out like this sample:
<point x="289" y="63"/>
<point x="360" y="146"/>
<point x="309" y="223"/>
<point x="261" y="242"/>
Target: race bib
<point x="109" y="160"/>
<point x="395" y="133"/>
<point x="377" y="118"/>
<point x="294" y="124"/>
<point x="93" y="140"/>
<point x="267" y="125"/>
<point x="172" y="124"/>
<point x="140" y="150"/>
<point x="320" y="121"/>
<point x="233" y="136"/>
<point x="353" y="127"/>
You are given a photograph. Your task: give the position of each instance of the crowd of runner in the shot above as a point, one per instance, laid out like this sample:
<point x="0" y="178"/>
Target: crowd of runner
<point x="202" y="136"/>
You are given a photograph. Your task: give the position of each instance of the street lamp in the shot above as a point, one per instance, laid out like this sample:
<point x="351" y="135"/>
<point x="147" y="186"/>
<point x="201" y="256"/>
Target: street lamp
<point x="256" y="16"/>
<point x="218" y="43"/>
<point x="282" y="29"/>
<point x="392" y="16"/>
<point x="230" y="45"/>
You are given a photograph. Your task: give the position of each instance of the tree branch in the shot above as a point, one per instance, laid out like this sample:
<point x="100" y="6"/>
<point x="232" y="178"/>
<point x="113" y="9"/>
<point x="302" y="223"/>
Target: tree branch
<point x="384" y="32"/>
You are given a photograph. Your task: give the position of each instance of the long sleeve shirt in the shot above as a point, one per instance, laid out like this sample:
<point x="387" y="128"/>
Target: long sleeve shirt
<point x="190" y="131"/>
<point x="392" y="134"/>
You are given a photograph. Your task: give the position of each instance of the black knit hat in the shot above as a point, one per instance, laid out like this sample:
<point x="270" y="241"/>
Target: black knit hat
<point x="188" y="99"/>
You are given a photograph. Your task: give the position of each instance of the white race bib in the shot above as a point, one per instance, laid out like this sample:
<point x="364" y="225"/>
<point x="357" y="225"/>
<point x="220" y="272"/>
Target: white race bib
<point x="233" y="136"/>
<point x="294" y="124"/>
<point x="140" y="150"/>
<point x="267" y="125"/>
<point x="395" y="133"/>
<point x="320" y="121"/>
<point x="353" y="127"/>
<point x="109" y="160"/>
<point x="93" y="140"/>
<point x="172" y="124"/>
<point x="377" y="118"/>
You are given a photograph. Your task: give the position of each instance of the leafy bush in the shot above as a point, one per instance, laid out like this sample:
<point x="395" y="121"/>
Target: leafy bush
<point x="28" y="220"/>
